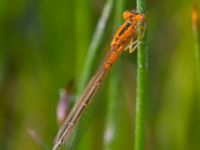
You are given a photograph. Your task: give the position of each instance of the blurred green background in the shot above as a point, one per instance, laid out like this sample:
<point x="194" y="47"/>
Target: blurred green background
<point x="43" y="46"/>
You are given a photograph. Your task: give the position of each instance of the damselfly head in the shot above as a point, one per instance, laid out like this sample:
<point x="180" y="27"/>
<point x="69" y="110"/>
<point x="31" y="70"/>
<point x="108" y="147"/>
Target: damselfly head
<point x="133" y="15"/>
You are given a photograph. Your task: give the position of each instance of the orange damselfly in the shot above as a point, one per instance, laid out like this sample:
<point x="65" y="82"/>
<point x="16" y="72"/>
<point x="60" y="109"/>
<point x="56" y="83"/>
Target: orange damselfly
<point x="123" y="37"/>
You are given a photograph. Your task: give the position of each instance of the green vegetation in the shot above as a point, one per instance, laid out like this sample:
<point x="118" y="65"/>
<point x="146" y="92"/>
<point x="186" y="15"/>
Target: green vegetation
<point x="44" y="45"/>
<point x="142" y="75"/>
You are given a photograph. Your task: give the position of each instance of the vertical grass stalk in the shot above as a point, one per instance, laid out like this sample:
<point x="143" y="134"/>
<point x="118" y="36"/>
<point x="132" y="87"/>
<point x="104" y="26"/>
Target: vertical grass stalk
<point x="142" y="69"/>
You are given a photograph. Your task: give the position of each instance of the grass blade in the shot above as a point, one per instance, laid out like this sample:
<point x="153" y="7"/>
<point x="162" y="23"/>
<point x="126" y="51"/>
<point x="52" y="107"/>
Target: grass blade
<point x="142" y="68"/>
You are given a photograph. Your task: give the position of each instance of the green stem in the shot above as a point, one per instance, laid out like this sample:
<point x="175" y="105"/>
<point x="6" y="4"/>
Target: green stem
<point x="142" y="63"/>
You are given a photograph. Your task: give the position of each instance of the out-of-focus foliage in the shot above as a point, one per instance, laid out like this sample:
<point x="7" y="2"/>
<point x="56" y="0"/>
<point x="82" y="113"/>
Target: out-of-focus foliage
<point x="43" y="45"/>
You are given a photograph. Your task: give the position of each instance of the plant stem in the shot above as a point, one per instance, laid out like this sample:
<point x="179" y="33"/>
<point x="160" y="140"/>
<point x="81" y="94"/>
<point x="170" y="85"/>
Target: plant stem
<point x="142" y="69"/>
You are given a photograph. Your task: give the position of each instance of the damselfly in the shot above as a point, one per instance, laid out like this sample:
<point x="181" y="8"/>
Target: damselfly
<point x="122" y="40"/>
